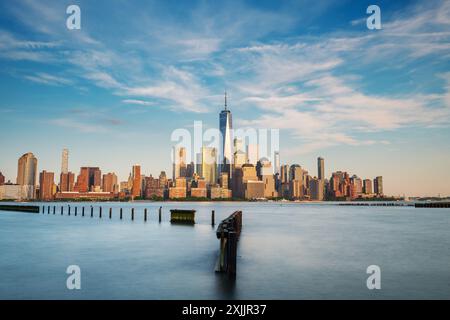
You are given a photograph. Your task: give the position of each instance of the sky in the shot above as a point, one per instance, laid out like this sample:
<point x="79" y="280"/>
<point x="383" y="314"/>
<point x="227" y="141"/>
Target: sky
<point x="371" y="102"/>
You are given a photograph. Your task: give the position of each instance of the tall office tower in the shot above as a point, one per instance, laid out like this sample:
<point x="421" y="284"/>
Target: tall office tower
<point x="356" y="187"/>
<point x="179" y="162"/>
<point x="320" y="168"/>
<point x="136" y="177"/>
<point x="225" y="125"/>
<point x="316" y="187"/>
<point x="378" y="185"/>
<point x="2" y="179"/>
<point x="109" y="183"/>
<point x="46" y="183"/>
<point x="66" y="182"/>
<point x="27" y="170"/>
<point x="276" y="160"/>
<point x="65" y="161"/>
<point x="252" y="154"/>
<point x="296" y="181"/>
<point x="367" y="186"/>
<point x="284" y="181"/>
<point x="209" y="165"/>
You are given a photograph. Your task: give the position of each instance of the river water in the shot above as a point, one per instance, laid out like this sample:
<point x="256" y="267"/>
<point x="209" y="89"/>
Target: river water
<point x="286" y="251"/>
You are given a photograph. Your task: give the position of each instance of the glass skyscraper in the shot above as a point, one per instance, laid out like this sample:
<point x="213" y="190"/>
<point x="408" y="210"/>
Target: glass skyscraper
<point x="226" y="151"/>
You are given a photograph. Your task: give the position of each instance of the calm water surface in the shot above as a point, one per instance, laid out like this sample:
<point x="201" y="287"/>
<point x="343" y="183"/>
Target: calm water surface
<point x="286" y="251"/>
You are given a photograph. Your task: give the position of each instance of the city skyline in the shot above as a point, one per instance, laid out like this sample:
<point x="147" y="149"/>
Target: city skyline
<point x="375" y="102"/>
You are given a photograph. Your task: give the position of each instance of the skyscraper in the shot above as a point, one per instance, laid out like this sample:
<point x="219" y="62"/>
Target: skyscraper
<point x="378" y="185"/>
<point x="367" y="186"/>
<point x="27" y="171"/>
<point x="209" y="165"/>
<point x="320" y="168"/>
<point x="136" y="177"/>
<point x="225" y="125"/>
<point x="66" y="182"/>
<point x="65" y="161"/>
<point x="110" y="183"/>
<point x="46" y="183"/>
<point x="179" y="162"/>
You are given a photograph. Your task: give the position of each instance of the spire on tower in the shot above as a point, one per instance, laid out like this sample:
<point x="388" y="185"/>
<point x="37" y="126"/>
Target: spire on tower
<point x="225" y="100"/>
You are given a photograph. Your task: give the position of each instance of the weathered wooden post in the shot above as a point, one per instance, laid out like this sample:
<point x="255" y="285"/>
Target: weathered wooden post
<point x="110" y="213"/>
<point x="100" y="213"/>
<point x="62" y="210"/>
<point x="92" y="211"/>
<point x="160" y="208"/>
<point x="43" y="209"/>
<point x="76" y="209"/>
<point x="132" y="214"/>
<point x="145" y="214"/>
<point x="120" y="213"/>
<point x="54" y="209"/>
<point x="68" y="209"/>
<point x="213" y="218"/>
<point x="48" y="210"/>
<point x="232" y="252"/>
<point x="82" y="212"/>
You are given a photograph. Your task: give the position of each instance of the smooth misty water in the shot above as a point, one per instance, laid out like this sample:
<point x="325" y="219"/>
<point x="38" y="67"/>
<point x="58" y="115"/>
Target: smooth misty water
<point x="286" y="251"/>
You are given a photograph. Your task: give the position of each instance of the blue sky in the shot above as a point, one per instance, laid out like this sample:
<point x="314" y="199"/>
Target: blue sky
<point x="371" y="102"/>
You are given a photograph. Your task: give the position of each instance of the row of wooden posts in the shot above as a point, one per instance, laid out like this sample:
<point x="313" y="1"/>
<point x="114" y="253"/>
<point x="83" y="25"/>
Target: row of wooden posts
<point x="110" y="212"/>
<point x="99" y="212"/>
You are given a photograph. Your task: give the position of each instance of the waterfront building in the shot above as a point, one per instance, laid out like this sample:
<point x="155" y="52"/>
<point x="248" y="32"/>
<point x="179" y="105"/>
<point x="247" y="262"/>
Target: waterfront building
<point x="356" y="187"/>
<point x="136" y="178"/>
<point x="378" y="186"/>
<point x="66" y="182"/>
<point x="209" y="165"/>
<point x="296" y="187"/>
<point x="367" y="186"/>
<point x="16" y="192"/>
<point x="179" y="190"/>
<point x="27" y="171"/>
<point x="179" y="162"/>
<point x="89" y="179"/>
<point x="46" y="185"/>
<point x="109" y="183"/>
<point x="2" y="179"/>
<point x="316" y="187"/>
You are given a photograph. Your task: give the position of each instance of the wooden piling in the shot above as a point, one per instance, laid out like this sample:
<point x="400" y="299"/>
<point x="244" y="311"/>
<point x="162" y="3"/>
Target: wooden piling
<point x="160" y="209"/>
<point x="110" y="213"/>
<point x="76" y="209"/>
<point x="54" y="209"/>
<point x="68" y="210"/>
<point x="43" y="209"/>
<point x="62" y="210"/>
<point x="232" y="253"/>
<point x="120" y="213"/>
<point x="82" y="212"/>
<point x="92" y="211"/>
<point x="48" y="210"/>
<point x="132" y="214"/>
<point x="213" y="218"/>
<point x="100" y="213"/>
<point x="145" y="214"/>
